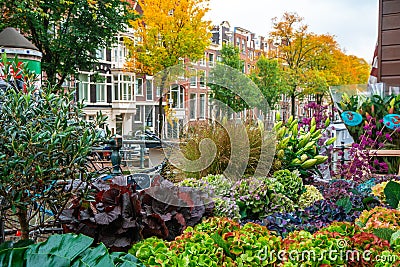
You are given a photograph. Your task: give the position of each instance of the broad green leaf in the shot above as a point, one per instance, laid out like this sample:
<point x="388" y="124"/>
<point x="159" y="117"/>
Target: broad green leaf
<point x="67" y="246"/>
<point x="97" y="256"/>
<point x="392" y="194"/>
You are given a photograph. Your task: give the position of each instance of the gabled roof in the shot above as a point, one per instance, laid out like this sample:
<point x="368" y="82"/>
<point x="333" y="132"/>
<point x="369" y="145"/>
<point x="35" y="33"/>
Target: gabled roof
<point x="11" y="38"/>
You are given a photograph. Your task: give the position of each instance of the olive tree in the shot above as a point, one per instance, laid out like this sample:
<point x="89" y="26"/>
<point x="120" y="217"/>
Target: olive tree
<point x="43" y="142"/>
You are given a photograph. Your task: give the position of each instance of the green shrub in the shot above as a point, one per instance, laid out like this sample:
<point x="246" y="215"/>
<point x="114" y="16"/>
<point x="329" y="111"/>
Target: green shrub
<point x="310" y="196"/>
<point x="226" y="207"/>
<point x="292" y="183"/>
<point x="214" y="242"/>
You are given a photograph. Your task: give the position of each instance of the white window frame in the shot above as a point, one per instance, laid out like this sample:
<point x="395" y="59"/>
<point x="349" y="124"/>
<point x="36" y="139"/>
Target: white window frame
<point x="211" y="63"/>
<point x="180" y="92"/>
<point x="202" y="84"/>
<point x="149" y="93"/>
<point x="101" y="92"/>
<point x="84" y="87"/>
<point x="123" y="83"/>
<point x="192" y="105"/>
<point x="193" y="78"/>
<point x="137" y="87"/>
<point x="140" y="109"/>
<point x="202" y="106"/>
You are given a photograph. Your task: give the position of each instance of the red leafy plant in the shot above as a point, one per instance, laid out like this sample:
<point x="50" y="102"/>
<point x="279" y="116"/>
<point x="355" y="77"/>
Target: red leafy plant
<point x="120" y="215"/>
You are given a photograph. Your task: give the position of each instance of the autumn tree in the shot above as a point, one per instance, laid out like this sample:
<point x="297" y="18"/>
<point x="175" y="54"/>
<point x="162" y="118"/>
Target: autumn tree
<point x="299" y="51"/>
<point x="68" y="33"/>
<point x="312" y="62"/>
<point x="165" y="33"/>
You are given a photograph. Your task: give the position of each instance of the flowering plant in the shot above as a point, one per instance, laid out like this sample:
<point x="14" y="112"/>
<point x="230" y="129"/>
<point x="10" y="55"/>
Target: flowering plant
<point x="379" y="217"/>
<point x="310" y="196"/>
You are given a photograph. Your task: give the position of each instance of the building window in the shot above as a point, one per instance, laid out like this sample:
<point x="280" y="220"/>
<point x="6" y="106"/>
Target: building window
<point x="192" y="107"/>
<point x="158" y="91"/>
<point x="118" y="124"/>
<point x="100" y="92"/>
<point x="138" y="115"/>
<point x="101" y="54"/>
<point x="83" y="91"/>
<point x="211" y="60"/>
<point x="202" y="106"/>
<point x="202" y="78"/>
<point x="139" y="86"/>
<point x="193" y="78"/>
<point x="148" y="112"/>
<point x="149" y="90"/>
<point x="203" y="60"/>
<point x="177" y="96"/>
<point x="123" y="87"/>
<point x="219" y="58"/>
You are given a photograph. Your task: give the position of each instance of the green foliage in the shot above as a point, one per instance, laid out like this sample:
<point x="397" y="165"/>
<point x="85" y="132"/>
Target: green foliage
<point x="220" y="185"/>
<point x="392" y="194"/>
<point x="379" y="217"/>
<point x="395" y="241"/>
<point x="297" y="148"/>
<point x="63" y="250"/>
<point x="269" y="79"/>
<point x="43" y="139"/>
<point x="68" y="33"/>
<point x="308" y="197"/>
<point x="230" y="57"/>
<point x="292" y="183"/>
<point x="384" y="233"/>
<point x="258" y="198"/>
<point x="214" y="242"/>
<point x="226" y="207"/>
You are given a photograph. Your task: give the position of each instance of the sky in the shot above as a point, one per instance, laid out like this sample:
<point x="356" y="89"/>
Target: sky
<point x="354" y="23"/>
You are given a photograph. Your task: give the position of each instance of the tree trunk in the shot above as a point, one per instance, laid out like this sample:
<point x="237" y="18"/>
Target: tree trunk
<point x="160" y="107"/>
<point x="160" y="115"/>
<point x="293" y="101"/>
<point x="23" y="222"/>
<point x="319" y="98"/>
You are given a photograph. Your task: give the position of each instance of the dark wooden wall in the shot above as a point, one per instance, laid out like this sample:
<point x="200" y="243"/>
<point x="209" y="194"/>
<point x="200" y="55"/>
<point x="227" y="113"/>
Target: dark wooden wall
<point x="389" y="42"/>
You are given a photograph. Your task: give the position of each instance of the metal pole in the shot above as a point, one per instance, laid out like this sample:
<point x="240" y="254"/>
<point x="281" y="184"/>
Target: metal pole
<point x="342" y="158"/>
<point x="115" y="158"/>
<point x="142" y="146"/>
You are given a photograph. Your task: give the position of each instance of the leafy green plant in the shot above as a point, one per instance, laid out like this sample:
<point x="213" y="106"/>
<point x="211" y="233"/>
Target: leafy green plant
<point x="43" y="141"/>
<point x="217" y="184"/>
<point x="214" y="242"/>
<point x="63" y="250"/>
<point x="392" y="194"/>
<point x="379" y="217"/>
<point x="226" y="207"/>
<point x="308" y="197"/>
<point x="260" y="197"/>
<point x="297" y="148"/>
<point x="292" y="183"/>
